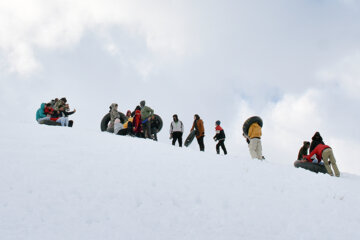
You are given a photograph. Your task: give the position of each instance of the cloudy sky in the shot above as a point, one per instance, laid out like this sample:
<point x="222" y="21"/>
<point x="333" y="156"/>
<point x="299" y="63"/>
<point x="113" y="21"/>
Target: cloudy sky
<point x="294" y="63"/>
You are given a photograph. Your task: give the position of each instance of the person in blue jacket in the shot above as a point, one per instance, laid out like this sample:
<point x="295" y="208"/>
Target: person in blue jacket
<point x="40" y="114"/>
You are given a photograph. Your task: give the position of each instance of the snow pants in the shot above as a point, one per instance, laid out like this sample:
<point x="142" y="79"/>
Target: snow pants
<point x="222" y="145"/>
<point x="255" y="148"/>
<point x="63" y="120"/>
<point x="177" y="136"/>
<point x="42" y="119"/>
<point x="328" y="155"/>
<point x="201" y="143"/>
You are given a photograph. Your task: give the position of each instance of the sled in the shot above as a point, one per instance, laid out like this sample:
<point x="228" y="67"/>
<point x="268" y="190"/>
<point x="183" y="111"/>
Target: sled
<point x="190" y="138"/>
<point x="249" y="121"/>
<point x="50" y="123"/>
<point x="313" y="167"/>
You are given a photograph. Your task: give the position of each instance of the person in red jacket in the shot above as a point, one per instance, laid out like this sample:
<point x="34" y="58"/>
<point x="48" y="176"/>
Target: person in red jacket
<point x="137" y="124"/>
<point x="325" y="153"/>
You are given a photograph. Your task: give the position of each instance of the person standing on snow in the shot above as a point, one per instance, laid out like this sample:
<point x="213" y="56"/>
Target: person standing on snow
<point x="254" y="137"/>
<point x="220" y="136"/>
<point x="176" y="130"/>
<point x="198" y="125"/>
<point x="146" y="113"/>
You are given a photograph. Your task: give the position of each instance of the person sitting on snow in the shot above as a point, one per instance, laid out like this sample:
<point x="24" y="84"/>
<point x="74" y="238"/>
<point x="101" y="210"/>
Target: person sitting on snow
<point x="303" y="150"/>
<point x="61" y="116"/>
<point x="114" y="114"/>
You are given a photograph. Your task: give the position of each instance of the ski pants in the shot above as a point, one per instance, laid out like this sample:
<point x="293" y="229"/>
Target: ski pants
<point x="177" y="136"/>
<point x="255" y="148"/>
<point x="147" y="129"/>
<point x="63" y="120"/>
<point x="328" y="155"/>
<point x="222" y="145"/>
<point x="200" y="141"/>
<point x="42" y="119"/>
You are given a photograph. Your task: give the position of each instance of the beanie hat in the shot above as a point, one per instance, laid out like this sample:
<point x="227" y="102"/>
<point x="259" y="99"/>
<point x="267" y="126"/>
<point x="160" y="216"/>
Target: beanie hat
<point x="217" y="122"/>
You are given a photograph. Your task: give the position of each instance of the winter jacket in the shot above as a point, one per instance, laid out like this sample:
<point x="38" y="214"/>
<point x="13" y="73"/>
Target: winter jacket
<point x="114" y="114"/>
<point x="317" y="151"/>
<point x="198" y="125"/>
<point x="302" y="152"/>
<point x="58" y="104"/>
<point x="49" y="110"/>
<point x="58" y="114"/>
<point x="137" y="122"/>
<point x="176" y="126"/>
<point x="146" y="112"/>
<point x="220" y="134"/>
<point x="40" y="113"/>
<point x="254" y="131"/>
<point x="131" y="119"/>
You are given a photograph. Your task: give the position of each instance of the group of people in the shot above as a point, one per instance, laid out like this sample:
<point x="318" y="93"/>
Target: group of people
<point x="320" y="159"/>
<point x="139" y="123"/>
<point x="143" y="123"/>
<point x="57" y="110"/>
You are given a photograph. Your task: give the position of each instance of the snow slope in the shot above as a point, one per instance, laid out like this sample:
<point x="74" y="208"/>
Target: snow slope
<point x="61" y="183"/>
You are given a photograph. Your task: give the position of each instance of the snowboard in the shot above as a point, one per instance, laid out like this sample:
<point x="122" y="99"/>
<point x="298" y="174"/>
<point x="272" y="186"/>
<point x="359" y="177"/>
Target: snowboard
<point x="190" y="138"/>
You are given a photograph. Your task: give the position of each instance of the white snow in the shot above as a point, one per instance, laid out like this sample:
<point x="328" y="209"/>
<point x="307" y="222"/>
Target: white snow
<point x="77" y="183"/>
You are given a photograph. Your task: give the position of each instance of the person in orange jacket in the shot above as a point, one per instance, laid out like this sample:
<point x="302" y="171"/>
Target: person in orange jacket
<point x="198" y="125"/>
<point x="254" y="135"/>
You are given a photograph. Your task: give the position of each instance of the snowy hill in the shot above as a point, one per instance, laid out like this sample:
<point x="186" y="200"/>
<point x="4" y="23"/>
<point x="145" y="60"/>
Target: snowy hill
<point x="61" y="183"/>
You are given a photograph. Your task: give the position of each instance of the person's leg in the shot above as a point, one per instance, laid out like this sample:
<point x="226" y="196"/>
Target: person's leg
<point x="66" y="121"/>
<point x="328" y="154"/>
<point x="252" y="148"/>
<point x="200" y="141"/>
<point x="42" y="119"/>
<point x="325" y="158"/>
<point x="174" y="138"/>
<point x="259" y="149"/>
<point x="218" y="147"/>
<point x="180" y="139"/>
<point x="223" y="146"/>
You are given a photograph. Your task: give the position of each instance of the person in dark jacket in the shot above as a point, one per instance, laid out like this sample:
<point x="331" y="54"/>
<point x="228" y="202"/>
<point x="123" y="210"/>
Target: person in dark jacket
<point x="198" y="125"/>
<point x="303" y="150"/>
<point x="220" y="136"/>
<point x="155" y="126"/>
<point x="316" y="140"/>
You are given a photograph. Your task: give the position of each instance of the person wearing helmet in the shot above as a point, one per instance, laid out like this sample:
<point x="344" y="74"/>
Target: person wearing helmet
<point x="220" y="136"/>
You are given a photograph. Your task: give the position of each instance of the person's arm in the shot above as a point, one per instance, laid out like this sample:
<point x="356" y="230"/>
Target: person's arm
<point x="171" y="128"/>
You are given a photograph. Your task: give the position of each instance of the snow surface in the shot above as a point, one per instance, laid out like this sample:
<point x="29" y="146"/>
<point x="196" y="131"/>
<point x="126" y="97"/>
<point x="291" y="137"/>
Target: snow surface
<point x="78" y="183"/>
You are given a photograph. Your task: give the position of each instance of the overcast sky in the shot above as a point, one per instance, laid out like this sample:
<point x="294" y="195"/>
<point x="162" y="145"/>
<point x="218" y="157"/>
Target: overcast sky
<point x="294" y="63"/>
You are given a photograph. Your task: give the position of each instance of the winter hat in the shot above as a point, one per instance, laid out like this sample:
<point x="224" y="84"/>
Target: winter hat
<point x="128" y="112"/>
<point x="142" y="103"/>
<point x="317" y="136"/>
<point x="217" y="122"/>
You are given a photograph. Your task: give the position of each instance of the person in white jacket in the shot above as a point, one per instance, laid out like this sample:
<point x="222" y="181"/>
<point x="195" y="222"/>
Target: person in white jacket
<point x="176" y="130"/>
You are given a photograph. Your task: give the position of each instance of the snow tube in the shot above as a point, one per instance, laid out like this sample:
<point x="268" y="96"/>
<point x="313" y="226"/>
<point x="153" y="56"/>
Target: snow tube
<point x="313" y="167"/>
<point x="160" y="122"/>
<point x="250" y="121"/>
<point x="106" y="119"/>
<point x="50" y="123"/>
